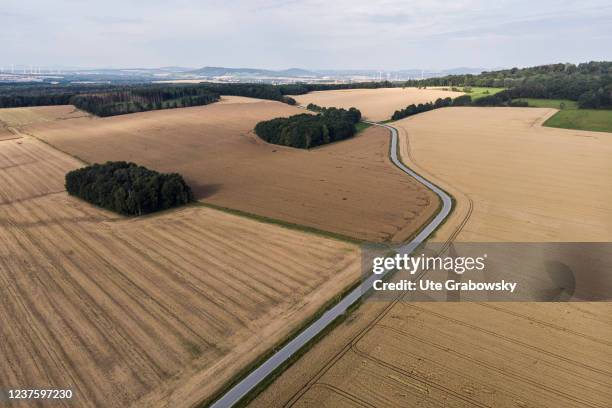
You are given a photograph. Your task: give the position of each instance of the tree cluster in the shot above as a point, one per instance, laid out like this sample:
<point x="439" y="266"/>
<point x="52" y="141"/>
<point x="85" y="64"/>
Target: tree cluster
<point x="305" y="130"/>
<point x="127" y="188"/>
<point x="589" y="83"/>
<point x="260" y="91"/>
<point x="108" y="100"/>
<point x="463" y="100"/>
<point x="300" y="89"/>
<point x="503" y="98"/>
<point x="424" y="107"/>
<point x="353" y="113"/>
<point x="14" y="96"/>
<point x="120" y="102"/>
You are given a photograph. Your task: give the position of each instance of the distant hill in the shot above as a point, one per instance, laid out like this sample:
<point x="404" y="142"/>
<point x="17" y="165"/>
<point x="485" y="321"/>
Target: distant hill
<point x="223" y="71"/>
<point x="330" y="73"/>
<point x="245" y="74"/>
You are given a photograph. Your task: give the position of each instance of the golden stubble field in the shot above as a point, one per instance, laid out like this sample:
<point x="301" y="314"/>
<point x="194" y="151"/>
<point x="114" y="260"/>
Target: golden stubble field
<point x="17" y="117"/>
<point x="514" y="181"/>
<point x="158" y="311"/>
<point x="374" y="104"/>
<point x="350" y="188"/>
<point x="524" y="182"/>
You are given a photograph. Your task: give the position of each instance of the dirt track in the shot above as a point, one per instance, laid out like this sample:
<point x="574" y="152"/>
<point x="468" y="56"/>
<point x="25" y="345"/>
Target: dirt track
<point x="157" y="311"/>
<point x="374" y="104"/>
<point x="349" y="188"/>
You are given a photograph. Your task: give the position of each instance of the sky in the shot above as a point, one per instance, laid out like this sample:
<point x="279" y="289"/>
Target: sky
<point x="310" y="34"/>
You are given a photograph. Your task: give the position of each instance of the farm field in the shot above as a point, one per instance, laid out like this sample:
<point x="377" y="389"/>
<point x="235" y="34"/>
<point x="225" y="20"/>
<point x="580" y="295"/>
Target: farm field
<point x="348" y="188"/>
<point x="549" y="355"/>
<point x="570" y="117"/>
<point x="599" y="120"/>
<point x="374" y="104"/>
<point x="514" y="181"/>
<point x="526" y="183"/>
<point x="17" y="117"/>
<point x="155" y="311"/>
<point x="6" y="134"/>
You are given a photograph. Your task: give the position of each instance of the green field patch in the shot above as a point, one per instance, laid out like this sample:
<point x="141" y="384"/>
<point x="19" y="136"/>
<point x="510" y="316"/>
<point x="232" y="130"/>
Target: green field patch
<point x="598" y="120"/>
<point x="550" y="103"/>
<point x="478" y="92"/>
<point x="570" y="117"/>
<point x="361" y="126"/>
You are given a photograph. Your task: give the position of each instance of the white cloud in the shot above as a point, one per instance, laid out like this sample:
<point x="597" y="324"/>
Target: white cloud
<point x="310" y="33"/>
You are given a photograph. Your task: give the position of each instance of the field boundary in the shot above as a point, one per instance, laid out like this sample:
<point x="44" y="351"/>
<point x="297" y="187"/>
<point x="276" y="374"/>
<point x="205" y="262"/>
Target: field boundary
<point x="261" y="359"/>
<point x="281" y="223"/>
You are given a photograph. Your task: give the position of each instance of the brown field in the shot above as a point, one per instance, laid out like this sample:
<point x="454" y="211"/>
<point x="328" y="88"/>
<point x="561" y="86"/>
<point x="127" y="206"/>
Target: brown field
<point x="349" y="188"/>
<point x="374" y="104"/>
<point x="6" y="134"/>
<point x="17" y="117"/>
<point x="501" y="355"/>
<point x="514" y="181"/>
<point x="523" y="182"/>
<point x="158" y="311"/>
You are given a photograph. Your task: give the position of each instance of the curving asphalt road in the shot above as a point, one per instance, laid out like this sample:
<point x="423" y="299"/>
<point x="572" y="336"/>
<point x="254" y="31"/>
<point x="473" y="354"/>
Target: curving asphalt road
<point x="246" y="385"/>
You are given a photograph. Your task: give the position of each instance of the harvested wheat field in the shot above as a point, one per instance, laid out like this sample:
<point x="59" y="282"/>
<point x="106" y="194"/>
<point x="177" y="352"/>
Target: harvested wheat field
<point x="158" y="311"/>
<point x="514" y="181"/>
<point x="374" y="104"/>
<point x="7" y="134"/>
<point x="12" y="118"/>
<point x="523" y="182"/>
<point x="350" y="188"/>
<point x="545" y="355"/>
<point x="15" y="117"/>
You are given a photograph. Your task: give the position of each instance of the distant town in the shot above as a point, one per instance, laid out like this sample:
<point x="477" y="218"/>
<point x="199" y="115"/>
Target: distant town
<point x="65" y="75"/>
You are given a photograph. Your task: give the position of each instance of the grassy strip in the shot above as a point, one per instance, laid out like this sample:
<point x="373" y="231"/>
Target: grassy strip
<point x="361" y="126"/>
<point x="276" y="373"/>
<point x="285" y="224"/>
<point x="476" y="92"/>
<point x="480" y="92"/>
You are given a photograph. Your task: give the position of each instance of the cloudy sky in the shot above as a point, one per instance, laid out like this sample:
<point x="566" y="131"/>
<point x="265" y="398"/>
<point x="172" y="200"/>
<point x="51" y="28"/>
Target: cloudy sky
<point x="346" y="34"/>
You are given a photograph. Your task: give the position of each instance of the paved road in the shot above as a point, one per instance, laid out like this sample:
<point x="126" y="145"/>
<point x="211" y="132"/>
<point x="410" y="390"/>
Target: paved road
<point x="241" y="389"/>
